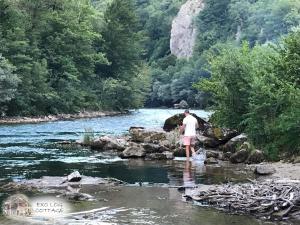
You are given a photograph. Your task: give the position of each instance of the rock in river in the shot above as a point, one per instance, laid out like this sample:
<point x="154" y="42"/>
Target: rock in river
<point x="240" y="156"/>
<point x="139" y="134"/>
<point x="234" y="143"/>
<point x="264" y="170"/>
<point x="256" y="156"/>
<point x="133" y="151"/>
<point x="210" y="161"/>
<point x="182" y="105"/>
<point x="176" y="120"/>
<point x="74" y="177"/>
<point x="108" y="143"/>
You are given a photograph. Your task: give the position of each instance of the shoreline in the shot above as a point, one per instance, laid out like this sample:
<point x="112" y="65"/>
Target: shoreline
<point x="59" y="117"/>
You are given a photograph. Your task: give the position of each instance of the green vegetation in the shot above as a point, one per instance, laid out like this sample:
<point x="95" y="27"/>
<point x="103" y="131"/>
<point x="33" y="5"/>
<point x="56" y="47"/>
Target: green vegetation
<point x="227" y="22"/>
<point x="257" y="91"/>
<point x="88" y="136"/>
<point x="67" y="54"/>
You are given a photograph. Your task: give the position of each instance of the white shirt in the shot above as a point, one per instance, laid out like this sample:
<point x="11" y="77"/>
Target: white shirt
<point x="190" y="123"/>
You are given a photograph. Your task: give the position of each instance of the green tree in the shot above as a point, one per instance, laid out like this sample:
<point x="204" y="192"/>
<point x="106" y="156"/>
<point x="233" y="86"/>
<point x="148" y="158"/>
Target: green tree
<point x="8" y="84"/>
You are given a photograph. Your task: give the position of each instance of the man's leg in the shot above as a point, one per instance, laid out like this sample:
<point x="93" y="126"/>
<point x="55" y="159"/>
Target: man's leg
<point x="187" y="143"/>
<point x="187" y="151"/>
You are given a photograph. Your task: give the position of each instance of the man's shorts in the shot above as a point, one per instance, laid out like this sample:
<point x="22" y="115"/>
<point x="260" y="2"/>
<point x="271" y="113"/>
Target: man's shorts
<point x="189" y="140"/>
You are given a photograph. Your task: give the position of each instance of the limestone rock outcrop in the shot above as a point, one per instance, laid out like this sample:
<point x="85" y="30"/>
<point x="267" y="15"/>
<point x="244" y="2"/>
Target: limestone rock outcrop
<point x="183" y="33"/>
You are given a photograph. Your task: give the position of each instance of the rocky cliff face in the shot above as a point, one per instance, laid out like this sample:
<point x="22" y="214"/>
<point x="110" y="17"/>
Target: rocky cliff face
<point x="183" y="33"/>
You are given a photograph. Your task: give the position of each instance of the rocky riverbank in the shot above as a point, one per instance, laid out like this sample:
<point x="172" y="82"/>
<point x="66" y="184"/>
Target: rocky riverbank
<point x="220" y="144"/>
<point x="52" y="118"/>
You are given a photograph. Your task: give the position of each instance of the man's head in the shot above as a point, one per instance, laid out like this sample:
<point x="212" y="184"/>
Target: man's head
<point x="186" y="112"/>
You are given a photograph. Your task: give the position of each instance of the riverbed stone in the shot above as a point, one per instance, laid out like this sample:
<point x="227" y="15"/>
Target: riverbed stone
<point x="174" y="121"/>
<point x="233" y="144"/>
<point x="212" y="154"/>
<point x="133" y="151"/>
<point x="208" y="141"/>
<point x="296" y="159"/>
<point x="77" y="196"/>
<point x="142" y="135"/>
<point x="210" y="161"/>
<point x="74" y="177"/>
<point x="154" y="148"/>
<point x="256" y="156"/>
<point x="220" y="135"/>
<point x="181" y="105"/>
<point x="264" y="170"/>
<point x="108" y="143"/>
<point x="239" y="156"/>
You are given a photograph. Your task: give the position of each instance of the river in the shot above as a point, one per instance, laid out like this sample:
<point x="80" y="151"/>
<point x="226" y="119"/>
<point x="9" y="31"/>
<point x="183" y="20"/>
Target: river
<point x="28" y="151"/>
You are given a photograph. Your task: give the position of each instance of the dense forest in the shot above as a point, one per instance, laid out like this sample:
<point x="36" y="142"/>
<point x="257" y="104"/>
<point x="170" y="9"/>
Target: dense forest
<point x="63" y="56"/>
<point x="69" y="55"/>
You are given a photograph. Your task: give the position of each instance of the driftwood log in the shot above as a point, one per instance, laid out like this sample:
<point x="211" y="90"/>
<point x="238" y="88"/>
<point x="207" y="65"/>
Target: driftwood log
<point x="269" y="199"/>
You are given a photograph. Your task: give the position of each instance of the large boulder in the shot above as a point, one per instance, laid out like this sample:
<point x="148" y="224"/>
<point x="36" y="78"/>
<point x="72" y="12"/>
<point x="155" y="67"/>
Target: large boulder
<point x="139" y="134"/>
<point x="108" y="143"/>
<point x="174" y="121"/>
<point x="220" y="135"/>
<point x="256" y="156"/>
<point x="233" y="144"/>
<point x="154" y="148"/>
<point x="239" y="156"/>
<point x="182" y="105"/>
<point x="133" y="151"/>
<point x="208" y="141"/>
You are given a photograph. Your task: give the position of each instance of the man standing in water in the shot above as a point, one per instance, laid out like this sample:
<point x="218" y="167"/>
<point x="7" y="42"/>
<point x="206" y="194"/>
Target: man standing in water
<point x="190" y="124"/>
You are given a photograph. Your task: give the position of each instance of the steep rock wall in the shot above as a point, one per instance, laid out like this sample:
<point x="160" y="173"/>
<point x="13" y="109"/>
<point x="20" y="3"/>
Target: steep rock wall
<point x="183" y="33"/>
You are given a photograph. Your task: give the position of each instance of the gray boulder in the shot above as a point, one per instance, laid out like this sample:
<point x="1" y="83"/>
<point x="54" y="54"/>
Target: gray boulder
<point x="174" y="121"/>
<point x="212" y="154"/>
<point x="233" y="144"/>
<point x="154" y="148"/>
<point x="182" y="105"/>
<point x="74" y="177"/>
<point x="210" y="161"/>
<point x="146" y="136"/>
<point x="240" y="156"/>
<point x="264" y="170"/>
<point x="256" y="156"/>
<point x="133" y="151"/>
<point x="108" y="143"/>
<point x="208" y="141"/>
<point x="220" y="135"/>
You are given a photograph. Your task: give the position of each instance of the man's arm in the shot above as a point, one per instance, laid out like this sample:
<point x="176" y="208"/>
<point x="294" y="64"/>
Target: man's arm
<point x="182" y="128"/>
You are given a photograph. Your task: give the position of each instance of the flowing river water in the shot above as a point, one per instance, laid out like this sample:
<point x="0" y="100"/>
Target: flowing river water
<point x="28" y="151"/>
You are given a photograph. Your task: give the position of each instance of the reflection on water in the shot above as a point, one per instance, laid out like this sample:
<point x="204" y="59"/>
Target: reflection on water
<point x="188" y="175"/>
<point x="146" y="205"/>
